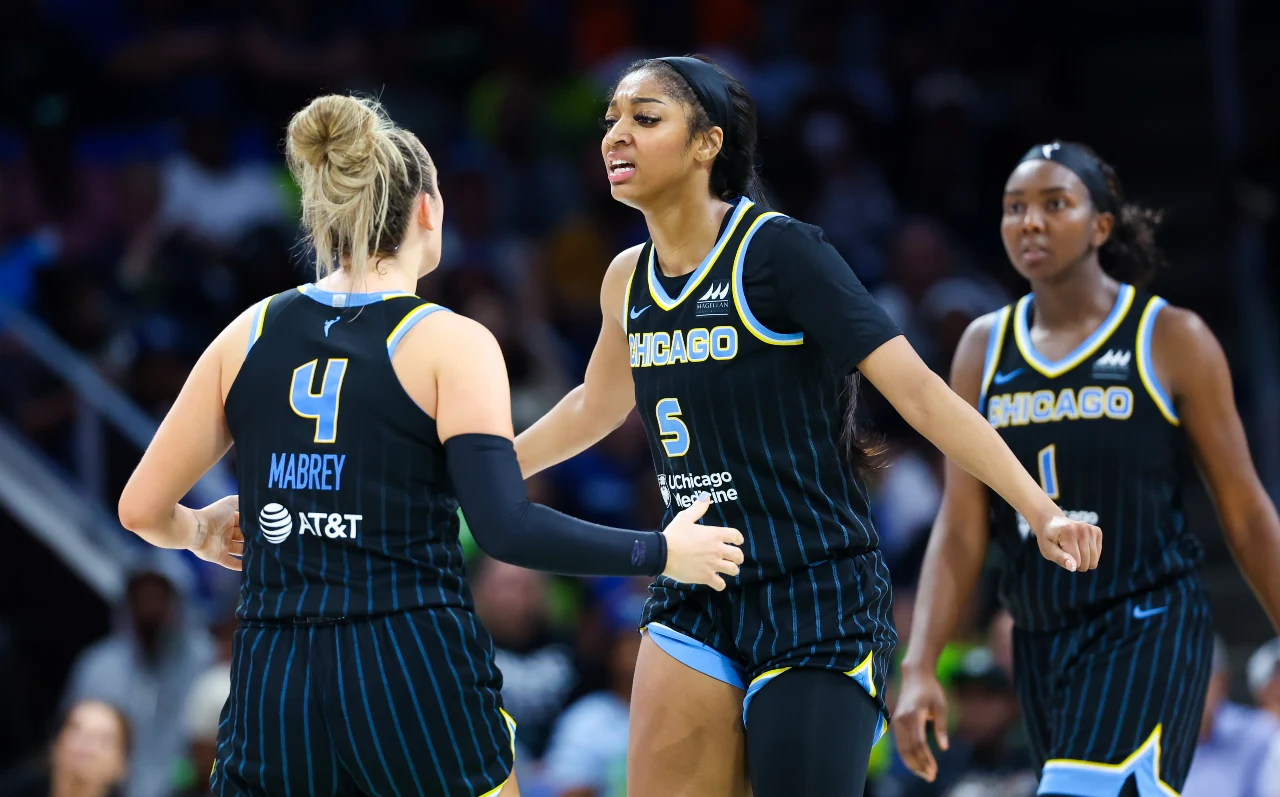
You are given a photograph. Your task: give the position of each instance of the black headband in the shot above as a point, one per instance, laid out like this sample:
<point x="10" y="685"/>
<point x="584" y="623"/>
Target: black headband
<point x="708" y="85"/>
<point x="1084" y="165"/>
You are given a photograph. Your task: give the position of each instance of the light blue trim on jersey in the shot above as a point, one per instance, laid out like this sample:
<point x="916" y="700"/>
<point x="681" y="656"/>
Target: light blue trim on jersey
<point x="1146" y="368"/>
<point x="692" y="653"/>
<point x="407" y="323"/>
<point x="259" y="318"/>
<point x="348" y="299"/>
<point x="659" y="293"/>
<point x="1022" y="335"/>
<point x="1088" y="779"/>
<point x="748" y="318"/>
<point x="995" y="344"/>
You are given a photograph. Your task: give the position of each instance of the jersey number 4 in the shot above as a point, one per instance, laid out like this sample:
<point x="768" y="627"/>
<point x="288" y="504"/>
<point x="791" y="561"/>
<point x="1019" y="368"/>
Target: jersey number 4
<point x="675" y="435"/>
<point x="320" y="407"/>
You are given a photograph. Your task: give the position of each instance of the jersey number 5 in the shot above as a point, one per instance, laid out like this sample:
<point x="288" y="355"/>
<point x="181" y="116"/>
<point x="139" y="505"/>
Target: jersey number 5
<point x="320" y="407"/>
<point x="675" y="435"/>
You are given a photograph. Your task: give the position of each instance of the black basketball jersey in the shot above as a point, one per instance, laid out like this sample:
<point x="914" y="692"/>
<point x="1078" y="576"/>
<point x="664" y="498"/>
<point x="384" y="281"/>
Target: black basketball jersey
<point x="1103" y="438"/>
<point x="744" y="413"/>
<point x="346" y="505"/>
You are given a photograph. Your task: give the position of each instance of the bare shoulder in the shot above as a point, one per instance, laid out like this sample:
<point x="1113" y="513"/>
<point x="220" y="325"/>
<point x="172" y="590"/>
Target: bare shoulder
<point x="232" y="345"/>
<point x="614" y="287"/>
<point x="447" y="335"/>
<point x="1184" y="349"/>
<point x="971" y="351"/>
<point x="1177" y="325"/>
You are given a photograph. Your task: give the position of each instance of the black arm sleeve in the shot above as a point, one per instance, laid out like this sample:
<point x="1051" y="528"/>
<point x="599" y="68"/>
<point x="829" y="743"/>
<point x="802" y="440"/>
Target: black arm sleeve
<point x="509" y="527"/>
<point x="818" y="292"/>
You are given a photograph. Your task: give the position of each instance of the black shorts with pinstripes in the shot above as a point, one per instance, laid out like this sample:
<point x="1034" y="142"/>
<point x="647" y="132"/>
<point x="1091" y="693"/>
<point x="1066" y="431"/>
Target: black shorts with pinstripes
<point x="1121" y="695"/>
<point x="832" y="615"/>
<point x="400" y="704"/>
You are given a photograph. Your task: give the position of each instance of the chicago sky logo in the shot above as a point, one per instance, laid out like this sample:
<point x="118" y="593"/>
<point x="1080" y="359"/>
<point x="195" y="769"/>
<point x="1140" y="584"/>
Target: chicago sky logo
<point x="276" y="522"/>
<point x="715" y="301"/>
<point x="1113" y="365"/>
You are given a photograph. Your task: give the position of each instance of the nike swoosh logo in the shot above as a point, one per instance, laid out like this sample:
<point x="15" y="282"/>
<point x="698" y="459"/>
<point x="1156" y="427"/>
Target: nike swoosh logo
<point x="1000" y="379"/>
<point x="637" y="313"/>
<point x="1140" y="613"/>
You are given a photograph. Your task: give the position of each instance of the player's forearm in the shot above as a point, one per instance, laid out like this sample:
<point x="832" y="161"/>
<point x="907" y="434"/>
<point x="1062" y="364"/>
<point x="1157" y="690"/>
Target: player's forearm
<point x="965" y="437"/>
<point x="952" y="565"/>
<point x="1254" y="539"/>
<point x="176" y="528"/>
<point x="571" y="427"/>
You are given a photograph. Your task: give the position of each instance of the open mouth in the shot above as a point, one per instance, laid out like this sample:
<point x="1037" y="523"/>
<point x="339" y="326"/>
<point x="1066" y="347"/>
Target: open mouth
<point x="620" y="169"/>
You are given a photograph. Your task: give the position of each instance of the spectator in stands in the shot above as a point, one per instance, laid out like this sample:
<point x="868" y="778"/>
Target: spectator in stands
<point x="88" y="758"/>
<point x="203" y="710"/>
<point x="1239" y="750"/>
<point x="539" y="667"/>
<point x="146" y="667"/>
<point x="1264" y="677"/>
<point x="587" y="756"/>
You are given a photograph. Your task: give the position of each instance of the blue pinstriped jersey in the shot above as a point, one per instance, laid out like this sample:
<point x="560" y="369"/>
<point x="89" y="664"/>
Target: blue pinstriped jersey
<point x="747" y="414"/>
<point x="345" y="502"/>
<point x="1101" y="434"/>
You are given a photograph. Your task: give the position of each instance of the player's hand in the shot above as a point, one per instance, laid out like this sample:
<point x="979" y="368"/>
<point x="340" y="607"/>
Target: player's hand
<point x="1071" y="544"/>
<point x="921" y="702"/>
<point x="698" y="554"/>
<point x="218" y="538"/>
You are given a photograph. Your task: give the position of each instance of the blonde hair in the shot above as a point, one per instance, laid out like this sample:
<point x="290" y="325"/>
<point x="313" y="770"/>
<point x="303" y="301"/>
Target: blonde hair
<point x="359" y="175"/>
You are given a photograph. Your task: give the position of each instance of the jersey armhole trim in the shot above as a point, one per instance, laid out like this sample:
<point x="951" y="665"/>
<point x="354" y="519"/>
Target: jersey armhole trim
<point x="407" y="323"/>
<point x="259" y="319"/>
<point x="995" y="345"/>
<point x="626" y="301"/>
<point x="1146" y="368"/>
<point x="748" y="318"/>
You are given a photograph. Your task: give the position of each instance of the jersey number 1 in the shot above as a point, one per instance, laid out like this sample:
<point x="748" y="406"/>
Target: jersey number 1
<point x="320" y="407"/>
<point x="1048" y="459"/>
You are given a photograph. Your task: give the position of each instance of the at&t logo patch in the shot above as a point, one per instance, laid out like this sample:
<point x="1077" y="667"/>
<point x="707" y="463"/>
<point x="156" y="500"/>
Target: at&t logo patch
<point x="276" y="522"/>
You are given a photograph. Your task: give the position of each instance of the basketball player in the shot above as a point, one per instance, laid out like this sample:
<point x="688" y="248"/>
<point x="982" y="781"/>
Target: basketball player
<point x="362" y="418"/>
<point x="735" y="332"/>
<point x="1105" y="392"/>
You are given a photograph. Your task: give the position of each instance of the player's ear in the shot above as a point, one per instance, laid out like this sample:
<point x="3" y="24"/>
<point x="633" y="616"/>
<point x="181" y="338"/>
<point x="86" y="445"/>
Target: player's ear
<point x="1103" y="224"/>
<point x="426" y="215"/>
<point x="708" y="145"/>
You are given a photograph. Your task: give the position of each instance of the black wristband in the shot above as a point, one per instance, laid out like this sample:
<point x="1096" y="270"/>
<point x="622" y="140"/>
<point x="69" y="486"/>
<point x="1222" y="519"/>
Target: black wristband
<point x="507" y="526"/>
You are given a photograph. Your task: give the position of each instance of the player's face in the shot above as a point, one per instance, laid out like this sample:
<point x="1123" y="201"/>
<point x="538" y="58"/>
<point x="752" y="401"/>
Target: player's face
<point x="646" y="147"/>
<point x="1049" y="222"/>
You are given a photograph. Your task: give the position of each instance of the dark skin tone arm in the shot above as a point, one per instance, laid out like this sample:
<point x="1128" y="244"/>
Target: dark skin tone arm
<point x="1190" y="362"/>
<point x="1191" y="365"/>
<point x="952" y="564"/>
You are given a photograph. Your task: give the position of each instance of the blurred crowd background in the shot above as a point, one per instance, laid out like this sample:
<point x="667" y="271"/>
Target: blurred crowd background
<point x="144" y="203"/>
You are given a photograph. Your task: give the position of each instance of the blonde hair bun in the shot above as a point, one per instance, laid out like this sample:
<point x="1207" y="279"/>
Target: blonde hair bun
<point x="358" y="174"/>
